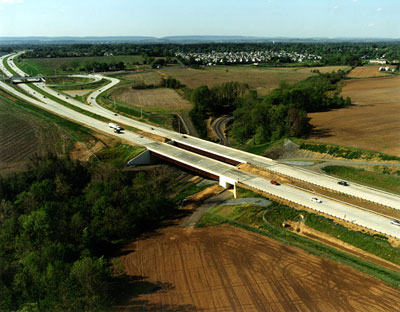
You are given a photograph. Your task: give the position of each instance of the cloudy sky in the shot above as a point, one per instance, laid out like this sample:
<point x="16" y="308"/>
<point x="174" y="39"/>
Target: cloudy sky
<point x="158" y="18"/>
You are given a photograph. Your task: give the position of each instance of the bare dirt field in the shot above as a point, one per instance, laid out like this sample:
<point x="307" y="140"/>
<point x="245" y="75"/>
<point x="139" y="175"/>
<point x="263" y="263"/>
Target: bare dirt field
<point x="153" y="100"/>
<point x="368" y="71"/>
<point x="263" y="79"/>
<point x="230" y="269"/>
<point x="373" y="122"/>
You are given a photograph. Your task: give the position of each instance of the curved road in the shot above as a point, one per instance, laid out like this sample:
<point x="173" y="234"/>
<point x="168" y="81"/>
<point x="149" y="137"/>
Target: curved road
<point x="217" y="128"/>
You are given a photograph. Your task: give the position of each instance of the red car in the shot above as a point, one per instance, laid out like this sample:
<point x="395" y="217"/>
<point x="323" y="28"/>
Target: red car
<point x="274" y="182"/>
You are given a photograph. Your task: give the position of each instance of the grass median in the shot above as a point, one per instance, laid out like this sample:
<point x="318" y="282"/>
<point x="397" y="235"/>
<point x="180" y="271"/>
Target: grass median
<point x="66" y="104"/>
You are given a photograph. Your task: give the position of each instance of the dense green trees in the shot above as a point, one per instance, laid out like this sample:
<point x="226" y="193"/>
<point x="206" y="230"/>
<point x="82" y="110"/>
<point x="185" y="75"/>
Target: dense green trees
<point x="58" y="219"/>
<point x="284" y="111"/>
<point x="218" y="100"/>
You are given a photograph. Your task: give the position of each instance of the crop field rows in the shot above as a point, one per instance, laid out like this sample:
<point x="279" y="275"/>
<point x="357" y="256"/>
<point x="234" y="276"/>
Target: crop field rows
<point x="23" y="134"/>
<point x="153" y="100"/>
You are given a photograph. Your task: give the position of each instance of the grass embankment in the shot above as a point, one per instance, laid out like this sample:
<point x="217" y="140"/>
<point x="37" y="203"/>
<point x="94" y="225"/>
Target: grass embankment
<point x="86" y="86"/>
<point x="5" y="63"/>
<point x="118" y="155"/>
<point x="345" y="152"/>
<point x="67" y="81"/>
<point x="251" y="218"/>
<point x="375" y="179"/>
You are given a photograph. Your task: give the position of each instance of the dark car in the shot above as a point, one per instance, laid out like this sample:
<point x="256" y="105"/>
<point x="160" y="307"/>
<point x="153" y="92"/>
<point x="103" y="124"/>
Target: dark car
<point x="274" y="182"/>
<point x="344" y="183"/>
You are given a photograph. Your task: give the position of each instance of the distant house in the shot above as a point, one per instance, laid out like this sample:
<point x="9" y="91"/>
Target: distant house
<point x="378" y="61"/>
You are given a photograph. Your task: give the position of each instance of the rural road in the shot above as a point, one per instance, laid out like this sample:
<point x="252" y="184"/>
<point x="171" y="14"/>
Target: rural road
<point x="328" y="206"/>
<point x="217" y="128"/>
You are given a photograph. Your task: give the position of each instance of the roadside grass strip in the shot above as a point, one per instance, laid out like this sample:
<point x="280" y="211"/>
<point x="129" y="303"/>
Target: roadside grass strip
<point x="379" y="180"/>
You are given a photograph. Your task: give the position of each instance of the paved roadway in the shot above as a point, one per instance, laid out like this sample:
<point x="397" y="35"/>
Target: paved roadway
<point x="217" y="128"/>
<point x="331" y="207"/>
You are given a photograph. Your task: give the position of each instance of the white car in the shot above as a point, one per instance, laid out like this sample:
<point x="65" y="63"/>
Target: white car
<point x="316" y="200"/>
<point x="395" y="222"/>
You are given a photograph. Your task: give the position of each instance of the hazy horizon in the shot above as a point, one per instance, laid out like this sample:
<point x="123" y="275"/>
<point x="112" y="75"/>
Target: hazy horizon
<point x="156" y="18"/>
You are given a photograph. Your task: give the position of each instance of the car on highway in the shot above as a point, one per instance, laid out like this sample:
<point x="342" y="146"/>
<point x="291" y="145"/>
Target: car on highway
<point x="115" y="114"/>
<point x="344" y="183"/>
<point x="316" y="200"/>
<point x="275" y="182"/>
<point x="395" y="222"/>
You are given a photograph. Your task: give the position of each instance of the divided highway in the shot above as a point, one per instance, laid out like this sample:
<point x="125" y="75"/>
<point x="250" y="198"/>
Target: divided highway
<point x="287" y="192"/>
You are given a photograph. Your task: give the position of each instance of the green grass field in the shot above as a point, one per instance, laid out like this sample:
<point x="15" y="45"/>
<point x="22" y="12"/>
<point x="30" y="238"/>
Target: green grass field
<point x="67" y="81"/>
<point x="379" y="180"/>
<point x="69" y="65"/>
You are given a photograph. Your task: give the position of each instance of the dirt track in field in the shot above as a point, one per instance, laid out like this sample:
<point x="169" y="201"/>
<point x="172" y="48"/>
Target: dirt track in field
<point x="230" y="269"/>
<point x="373" y="122"/>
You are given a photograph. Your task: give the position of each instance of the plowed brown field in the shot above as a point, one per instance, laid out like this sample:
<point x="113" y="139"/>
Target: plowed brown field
<point x="372" y="123"/>
<point x="230" y="269"/>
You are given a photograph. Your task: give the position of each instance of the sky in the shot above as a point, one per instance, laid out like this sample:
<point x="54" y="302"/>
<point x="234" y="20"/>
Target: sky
<point x="159" y="18"/>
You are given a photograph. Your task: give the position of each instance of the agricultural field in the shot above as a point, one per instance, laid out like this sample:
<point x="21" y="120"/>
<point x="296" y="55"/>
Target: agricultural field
<point x="160" y="100"/>
<point x="368" y="71"/>
<point x="263" y="79"/>
<point x="143" y="78"/>
<point x="228" y="268"/>
<point x="26" y="130"/>
<point x="372" y="122"/>
<point x="69" y="65"/>
<point x="23" y="134"/>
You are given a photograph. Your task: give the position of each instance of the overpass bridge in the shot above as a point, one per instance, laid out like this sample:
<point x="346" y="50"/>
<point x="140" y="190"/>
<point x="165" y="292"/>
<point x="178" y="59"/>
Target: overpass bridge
<point x="26" y="79"/>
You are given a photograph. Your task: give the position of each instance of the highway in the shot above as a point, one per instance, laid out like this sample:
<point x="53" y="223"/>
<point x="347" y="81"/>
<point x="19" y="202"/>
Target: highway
<point x="287" y="192"/>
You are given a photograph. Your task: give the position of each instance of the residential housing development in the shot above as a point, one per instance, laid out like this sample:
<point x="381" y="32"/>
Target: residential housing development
<point x="245" y="57"/>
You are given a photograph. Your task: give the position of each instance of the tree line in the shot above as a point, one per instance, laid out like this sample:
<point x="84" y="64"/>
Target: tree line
<point x="60" y="220"/>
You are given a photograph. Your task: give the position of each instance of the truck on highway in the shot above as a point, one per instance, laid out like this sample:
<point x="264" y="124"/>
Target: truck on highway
<point x="114" y="125"/>
<point x="117" y="129"/>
